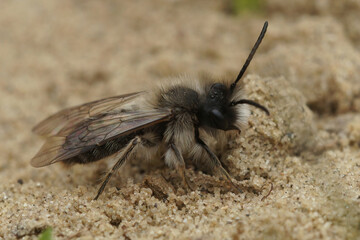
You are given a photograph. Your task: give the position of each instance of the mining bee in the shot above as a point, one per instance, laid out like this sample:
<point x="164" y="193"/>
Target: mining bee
<point x="172" y="121"/>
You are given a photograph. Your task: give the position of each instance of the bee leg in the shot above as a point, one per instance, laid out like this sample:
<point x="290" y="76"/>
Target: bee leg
<point x="216" y="164"/>
<point x="179" y="163"/>
<point x="124" y="155"/>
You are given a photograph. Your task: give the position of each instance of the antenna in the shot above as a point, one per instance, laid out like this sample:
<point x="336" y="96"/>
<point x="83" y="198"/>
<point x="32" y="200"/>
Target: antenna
<point x="251" y="55"/>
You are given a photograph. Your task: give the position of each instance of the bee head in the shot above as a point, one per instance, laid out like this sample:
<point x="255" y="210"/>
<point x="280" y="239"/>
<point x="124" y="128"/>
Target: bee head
<point x="217" y="110"/>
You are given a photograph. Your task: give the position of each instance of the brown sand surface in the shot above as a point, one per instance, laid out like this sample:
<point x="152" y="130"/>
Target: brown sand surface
<point x="56" y="54"/>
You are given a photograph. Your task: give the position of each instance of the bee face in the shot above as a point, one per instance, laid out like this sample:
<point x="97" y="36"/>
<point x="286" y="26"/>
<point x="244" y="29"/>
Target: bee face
<point x="215" y="111"/>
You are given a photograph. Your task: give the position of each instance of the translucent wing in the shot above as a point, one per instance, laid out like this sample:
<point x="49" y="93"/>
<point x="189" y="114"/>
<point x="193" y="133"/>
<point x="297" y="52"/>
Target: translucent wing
<point x="95" y="131"/>
<point x="61" y="123"/>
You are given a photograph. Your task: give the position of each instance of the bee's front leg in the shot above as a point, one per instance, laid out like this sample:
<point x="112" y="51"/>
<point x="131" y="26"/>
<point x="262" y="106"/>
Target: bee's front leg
<point x="215" y="162"/>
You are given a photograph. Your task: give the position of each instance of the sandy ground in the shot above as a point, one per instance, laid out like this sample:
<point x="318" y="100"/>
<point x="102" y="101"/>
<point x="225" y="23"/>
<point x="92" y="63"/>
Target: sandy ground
<point x="55" y="54"/>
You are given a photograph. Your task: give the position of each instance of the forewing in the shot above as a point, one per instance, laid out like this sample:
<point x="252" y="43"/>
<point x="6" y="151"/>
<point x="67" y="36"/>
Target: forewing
<point x="96" y="131"/>
<point x="63" y="122"/>
<point x="52" y="151"/>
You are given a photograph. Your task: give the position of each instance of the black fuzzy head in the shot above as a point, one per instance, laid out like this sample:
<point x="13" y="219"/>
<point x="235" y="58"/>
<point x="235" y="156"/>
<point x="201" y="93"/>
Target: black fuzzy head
<point x="215" y="111"/>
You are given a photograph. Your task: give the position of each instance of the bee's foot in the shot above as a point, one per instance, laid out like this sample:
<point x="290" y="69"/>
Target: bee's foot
<point x="223" y="173"/>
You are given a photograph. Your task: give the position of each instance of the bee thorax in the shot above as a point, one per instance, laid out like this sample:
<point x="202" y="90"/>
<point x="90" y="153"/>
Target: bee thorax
<point x="180" y="99"/>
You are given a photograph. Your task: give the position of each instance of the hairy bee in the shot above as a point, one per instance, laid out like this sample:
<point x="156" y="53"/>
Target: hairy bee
<point x="169" y="120"/>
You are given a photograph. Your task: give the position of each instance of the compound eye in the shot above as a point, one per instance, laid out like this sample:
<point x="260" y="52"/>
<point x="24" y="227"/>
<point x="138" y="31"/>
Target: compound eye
<point x="217" y="114"/>
<point x="218" y="119"/>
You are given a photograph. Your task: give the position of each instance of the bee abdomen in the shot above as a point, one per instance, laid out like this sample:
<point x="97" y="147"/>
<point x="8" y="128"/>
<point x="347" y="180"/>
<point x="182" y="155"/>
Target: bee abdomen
<point x="96" y="153"/>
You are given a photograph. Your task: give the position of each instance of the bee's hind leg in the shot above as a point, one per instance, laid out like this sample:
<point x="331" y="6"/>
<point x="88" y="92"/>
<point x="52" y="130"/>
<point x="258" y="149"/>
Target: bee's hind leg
<point x="124" y="154"/>
<point x="215" y="162"/>
<point x="174" y="157"/>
